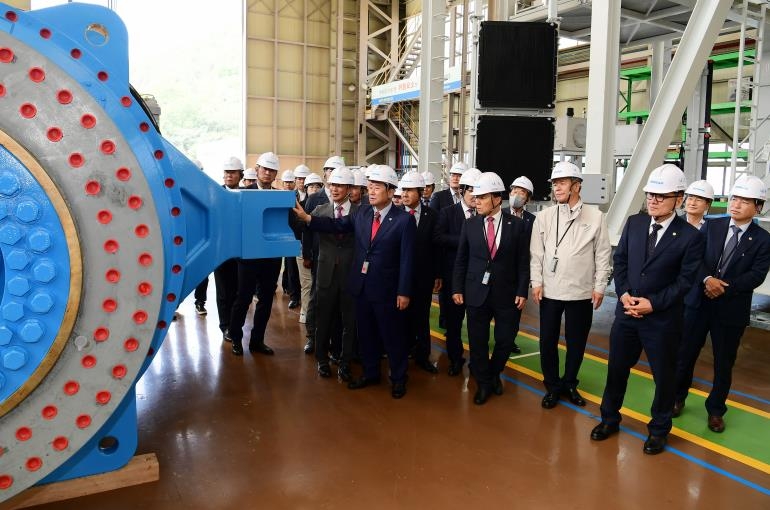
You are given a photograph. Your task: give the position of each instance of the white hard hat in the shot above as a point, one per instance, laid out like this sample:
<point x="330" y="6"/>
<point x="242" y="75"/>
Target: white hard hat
<point x="470" y="177"/>
<point x="565" y="169"/>
<point x="665" y="179"/>
<point x="301" y="171"/>
<point x="411" y="180"/>
<point x="334" y="162"/>
<point x="384" y="174"/>
<point x="489" y="182"/>
<point x="523" y="182"/>
<point x="250" y="174"/>
<point x="342" y="175"/>
<point x="287" y="176"/>
<point x="429" y="178"/>
<point x="749" y="186"/>
<point x="458" y="168"/>
<point x="359" y="177"/>
<point x="701" y="189"/>
<point x="398" y="192"/>
<point x="198" y="163"/>
<point x="313" y="179"/>
<point x="232" y="163"/>
<point x="268" y="160"/>
<point x="368" y="171"/>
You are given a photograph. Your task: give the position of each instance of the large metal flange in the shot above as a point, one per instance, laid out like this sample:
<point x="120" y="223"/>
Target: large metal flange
<point x="52" y="125"/>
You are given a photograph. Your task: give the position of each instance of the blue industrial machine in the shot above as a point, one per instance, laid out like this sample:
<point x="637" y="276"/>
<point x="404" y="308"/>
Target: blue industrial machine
<point x="104" y="228"/>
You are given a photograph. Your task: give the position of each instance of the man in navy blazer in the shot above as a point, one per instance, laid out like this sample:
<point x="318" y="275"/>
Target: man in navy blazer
<point x="521" y="193"/>
<point x="450" y="196"/>
<point x="491" y="278"/>
<point x="380" y="278"/>
<point x="656" y="263"/>
<point x="736" y="262"/>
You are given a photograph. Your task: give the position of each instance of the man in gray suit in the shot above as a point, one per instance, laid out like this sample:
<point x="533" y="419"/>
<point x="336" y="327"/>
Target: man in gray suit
<point x="333" y="302"/>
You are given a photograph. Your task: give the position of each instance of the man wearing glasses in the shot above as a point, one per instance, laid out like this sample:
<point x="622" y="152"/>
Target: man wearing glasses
<point x="736" y="262"/>
<point x="656" y="263"/>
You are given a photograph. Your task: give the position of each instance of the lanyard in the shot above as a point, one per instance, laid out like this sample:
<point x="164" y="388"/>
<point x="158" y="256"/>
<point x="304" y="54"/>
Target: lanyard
<point x="486" y="239"/>
<point x="569" y="225"/>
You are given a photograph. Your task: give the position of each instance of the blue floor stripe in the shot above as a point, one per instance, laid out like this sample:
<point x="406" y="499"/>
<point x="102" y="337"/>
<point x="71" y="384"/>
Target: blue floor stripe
<point x="704" y="382"/>
<point x="675" y="451"/>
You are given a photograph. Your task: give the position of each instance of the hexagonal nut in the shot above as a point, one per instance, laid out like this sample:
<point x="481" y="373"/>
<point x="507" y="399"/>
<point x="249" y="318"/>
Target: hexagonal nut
<point x="5" y="335"/>
<point x="10" y="234"/>
<point x="39" y="240"/>
<point x="41" y="302"/>
<point x="17" y="259"/>
<point x="27" y="211"/>
<point x="44" y="271"/>
<point x="13" y="311"/>
<point x="31" y="331"/>
<point x="17" y="286"/>
<point x="15" y="358"/>
<point x="9" y="184"/>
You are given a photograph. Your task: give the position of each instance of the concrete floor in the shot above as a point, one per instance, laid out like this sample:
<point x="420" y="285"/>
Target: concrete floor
<point x="267" y="432"/>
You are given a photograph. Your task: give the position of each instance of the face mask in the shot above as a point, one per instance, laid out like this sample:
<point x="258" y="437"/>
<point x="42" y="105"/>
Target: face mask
<point x="518" y="201"/>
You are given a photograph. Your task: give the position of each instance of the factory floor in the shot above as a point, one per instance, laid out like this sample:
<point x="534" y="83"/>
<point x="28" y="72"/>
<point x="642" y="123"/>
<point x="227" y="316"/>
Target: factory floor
<point x="266" y="432"/>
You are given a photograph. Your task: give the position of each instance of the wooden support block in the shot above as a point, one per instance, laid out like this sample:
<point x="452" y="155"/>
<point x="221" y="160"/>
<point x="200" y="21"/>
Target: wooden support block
<point x="140" y="469"/>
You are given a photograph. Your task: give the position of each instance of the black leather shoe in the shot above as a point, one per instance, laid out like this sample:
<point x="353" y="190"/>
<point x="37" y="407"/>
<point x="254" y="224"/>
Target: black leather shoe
<point x="654" y="445"/>
<point x="323" y="369"/>
<point x="574" y="397"/>
<point x="343" y="372"/>
<point x="456" y="368"/>
<point x="362" y="382"/>
<point x="427" y="366"/>
<point x="482" y="395"/>
<point x="550" y="400"/>
<point x="293" y="304"/>
<point x="498" y="390"/>
<point x="261" y="348"/>
<point x="603" y="431"/>
<point x="399" y="390"/>
<point x="678" y="406"/>
<point x="515" y="349"/>
<point x="226" y="336"/>
<point x="237" y="349"/>
<point x="310" y="346"/>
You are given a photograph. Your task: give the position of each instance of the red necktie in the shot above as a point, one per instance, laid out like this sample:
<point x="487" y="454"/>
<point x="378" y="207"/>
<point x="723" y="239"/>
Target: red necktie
<point x="375" y="224"/>
<point x="491" y="237"/>
<point x="339" y="216"/>
<point x="412" y="211"/>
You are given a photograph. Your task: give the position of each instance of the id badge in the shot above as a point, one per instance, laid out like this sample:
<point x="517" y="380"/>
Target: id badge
<point x="554" y="262"/>
<point x="365" y="267"/>
<point x="485" y="279"/>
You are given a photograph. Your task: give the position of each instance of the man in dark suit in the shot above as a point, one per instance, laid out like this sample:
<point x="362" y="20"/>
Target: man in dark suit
<point x="334" y="304"/>
<point x="450" y="225"/>
<point x="426" y="275"/>
<point x="451" y="195"/>
<point x="256" y="275"/>
<point x="491" y="278"/>
<point x="521" y="193"/>
<point x="380" y="278"/>
<point x="736" y="262"/>
<point x="656" y="263"/>
<point x="430" y="187"/>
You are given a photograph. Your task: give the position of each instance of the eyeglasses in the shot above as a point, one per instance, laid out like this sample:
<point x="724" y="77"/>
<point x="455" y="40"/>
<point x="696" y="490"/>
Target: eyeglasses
<point x="657" y="197"/>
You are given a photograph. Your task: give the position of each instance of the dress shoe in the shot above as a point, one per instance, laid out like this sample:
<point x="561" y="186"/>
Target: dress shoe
<point x="498" y="389"/>
<point x="362" y="382"/>
<point x="482" y="395"/>
<point x="237" y="349"/>
<point x="678" y="406"/>
<point x="343" y="372"/>
<point x="310" y="346"/>
<point x="456" y="368"/>
<point x="261" y="348"/>
<point x="399" y="390"/>
<point x="654" y="445"/>
<point x="226" y="336"/>
<point x="323" y="369"/>
<point x="293" y="304"/>
<point x="574" y="397"/>
<point x="550" y="400"/>
<point x="603" y="431"/>
<point x="427" y="366"/>
<point x="515" y="349"/>
<point x="716" y="424"/>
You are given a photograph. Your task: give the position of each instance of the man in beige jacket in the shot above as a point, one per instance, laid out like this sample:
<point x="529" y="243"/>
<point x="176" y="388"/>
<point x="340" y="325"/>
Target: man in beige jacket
<point x="569" y="268"/>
